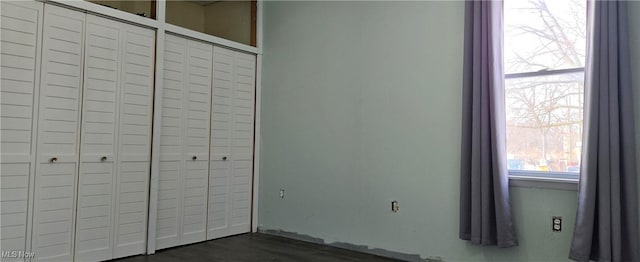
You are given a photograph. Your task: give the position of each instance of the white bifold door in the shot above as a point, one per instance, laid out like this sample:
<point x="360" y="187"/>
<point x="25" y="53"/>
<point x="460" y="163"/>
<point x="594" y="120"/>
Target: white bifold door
<point x="115" y="140"/>
<point x="206" y="145"/>
<point x="20" y="33"/>
<point x="94" y="138"/>
<point x="58" y="134"/>
<point x="232" y="127"/>
<point x="184" y="143"/>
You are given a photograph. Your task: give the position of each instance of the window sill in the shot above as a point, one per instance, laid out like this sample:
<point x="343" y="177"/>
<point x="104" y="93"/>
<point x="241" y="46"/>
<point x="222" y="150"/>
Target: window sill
<point x="522" y="179"/>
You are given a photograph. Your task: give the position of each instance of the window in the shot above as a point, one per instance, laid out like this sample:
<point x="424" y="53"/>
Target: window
<point x="544" y="56"/>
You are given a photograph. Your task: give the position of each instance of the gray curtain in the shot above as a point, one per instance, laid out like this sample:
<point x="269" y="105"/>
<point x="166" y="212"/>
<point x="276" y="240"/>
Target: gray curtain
<point x="485" y="212"/>
<point x="607" y="220"/>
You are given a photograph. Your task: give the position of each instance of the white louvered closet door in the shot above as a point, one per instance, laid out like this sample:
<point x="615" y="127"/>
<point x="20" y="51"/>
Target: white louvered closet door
<point x="96" y="178"/>
<point x="242" y="143"/>
<point x="221" y="119"/>
<point x="197" y="116"/>
<point x="184" y="144"/>
<point x="169" y="217"/>
<point x="232" y="144"/>
<point x="58" y="134"/>
<point x="134" y="141"/>
<point x="20" y="27"/>
<point x="115" y="140"/>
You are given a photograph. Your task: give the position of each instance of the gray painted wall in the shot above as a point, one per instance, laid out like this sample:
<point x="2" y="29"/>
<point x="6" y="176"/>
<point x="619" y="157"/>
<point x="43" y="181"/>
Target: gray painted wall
<point x="360" y="106"/>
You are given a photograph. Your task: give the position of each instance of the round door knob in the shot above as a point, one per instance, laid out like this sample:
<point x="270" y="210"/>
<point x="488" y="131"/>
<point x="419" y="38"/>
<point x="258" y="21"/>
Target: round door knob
<point x="224" y="158"/>
<point x="104" y="158"/>
<point x="194" y="158"/>
<point x="53" y="160"/>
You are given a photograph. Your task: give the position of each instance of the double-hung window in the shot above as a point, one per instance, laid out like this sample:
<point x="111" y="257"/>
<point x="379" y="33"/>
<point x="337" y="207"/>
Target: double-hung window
<point x="544" y="57"/>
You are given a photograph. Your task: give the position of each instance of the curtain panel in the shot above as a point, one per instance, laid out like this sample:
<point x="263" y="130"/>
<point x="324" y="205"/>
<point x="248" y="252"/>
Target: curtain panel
<point x="606" y="226"/>
<point x="485" y="211"/>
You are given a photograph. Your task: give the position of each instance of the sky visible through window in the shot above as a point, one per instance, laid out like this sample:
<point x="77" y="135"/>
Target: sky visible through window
<point x="544" y="105"/>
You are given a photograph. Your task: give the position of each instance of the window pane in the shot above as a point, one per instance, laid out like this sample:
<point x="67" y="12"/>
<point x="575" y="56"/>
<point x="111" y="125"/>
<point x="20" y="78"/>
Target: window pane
<point x="544" y="122"/>
<point x="544" y="35"/>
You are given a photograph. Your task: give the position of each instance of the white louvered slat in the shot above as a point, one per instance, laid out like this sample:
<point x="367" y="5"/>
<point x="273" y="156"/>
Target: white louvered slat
<point x="96" y="179"/>
<point x="58" y="134"/>
<point x="169" y="218"/>
<point x="197" y="117"/>
<point x="20" y="27"/>
<point x="134" y="142"/>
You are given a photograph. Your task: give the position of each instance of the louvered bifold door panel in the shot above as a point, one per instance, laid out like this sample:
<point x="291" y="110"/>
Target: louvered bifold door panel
<point x="96" y="179"/>
<point x="20" y="25"/>
<point x="196" y="173"/>
<point x="134" y="141"/>
<point x="169" y="217"/>
<point x="219" y="174"/>
<point x="242" y="142"/>
<point x="58" y="134"/>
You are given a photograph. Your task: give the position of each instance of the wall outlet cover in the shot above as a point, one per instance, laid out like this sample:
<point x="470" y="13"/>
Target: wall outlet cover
<point x="395" y="206"/>
<point x="556" y="224"/>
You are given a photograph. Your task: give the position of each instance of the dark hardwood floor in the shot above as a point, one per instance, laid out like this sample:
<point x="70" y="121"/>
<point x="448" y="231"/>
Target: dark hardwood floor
<point x="255" y="247"/>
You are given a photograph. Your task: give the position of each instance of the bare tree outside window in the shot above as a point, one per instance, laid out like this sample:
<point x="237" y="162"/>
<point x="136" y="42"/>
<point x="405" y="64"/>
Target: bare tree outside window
<point x="545" y="43"/>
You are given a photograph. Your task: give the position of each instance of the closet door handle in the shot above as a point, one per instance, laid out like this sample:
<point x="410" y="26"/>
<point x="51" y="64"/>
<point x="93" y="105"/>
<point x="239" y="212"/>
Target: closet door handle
<point x="53" y="160"/>
<point x="224" y="158"/>
<point x="104" y="158"/>
<point x="194" y="158"/>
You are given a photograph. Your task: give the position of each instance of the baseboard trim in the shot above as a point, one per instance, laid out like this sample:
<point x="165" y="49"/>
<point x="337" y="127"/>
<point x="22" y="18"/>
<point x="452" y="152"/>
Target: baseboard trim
<point x="349" y="246"/>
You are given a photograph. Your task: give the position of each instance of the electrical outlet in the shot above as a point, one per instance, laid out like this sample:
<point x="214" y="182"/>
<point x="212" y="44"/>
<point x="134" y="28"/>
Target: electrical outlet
<point x="394" y="206"/>
<point x="556" y="224"/>
<point x="281" y="193"/>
